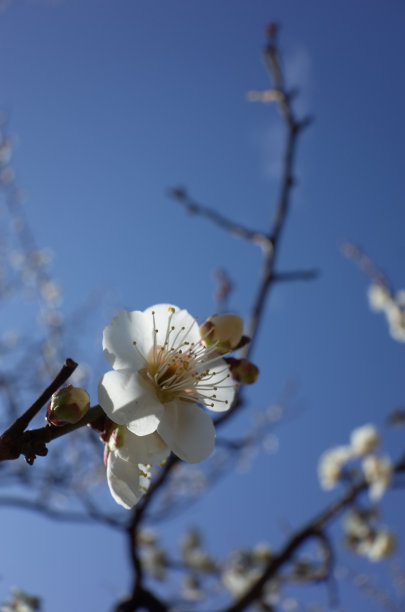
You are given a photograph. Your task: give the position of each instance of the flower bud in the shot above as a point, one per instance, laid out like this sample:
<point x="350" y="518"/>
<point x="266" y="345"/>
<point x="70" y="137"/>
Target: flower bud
<point x="68" y="405"/>
<point x="224" y="331"/>
<point x="242" y="370"/>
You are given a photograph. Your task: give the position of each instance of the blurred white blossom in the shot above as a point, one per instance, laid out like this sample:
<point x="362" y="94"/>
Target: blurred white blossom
<point x="378" y="473"/>
<point x="21" y="602"/>
<point x="383" y="545"/>
<point x="193" y="554"/>
<point x="382" y="300"/>
<point x="378" y="297"/>
<point x="331" y="464"/>
<point x="364" y="440"/>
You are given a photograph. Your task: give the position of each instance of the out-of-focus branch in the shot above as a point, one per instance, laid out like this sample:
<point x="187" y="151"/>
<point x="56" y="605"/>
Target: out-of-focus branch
<point x="365" y="264"/>
<point x="137" y="598"/>
<point x="65" y="516"/>
<point x="295" y="275"/>
<point x="183" y="198"/>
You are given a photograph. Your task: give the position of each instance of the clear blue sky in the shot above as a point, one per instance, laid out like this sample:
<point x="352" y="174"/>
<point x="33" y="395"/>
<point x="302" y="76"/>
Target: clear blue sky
<point x="113" y="103"/>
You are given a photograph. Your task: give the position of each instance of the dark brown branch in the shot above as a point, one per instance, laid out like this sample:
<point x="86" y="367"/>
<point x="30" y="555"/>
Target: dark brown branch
<point x="66" y="516"/>
<point x="10" y="447"/>
<point x="24" y="420"/>
<point x="143" y="600"/>
<point x="33" y="442"/>
<point x="295" y="275"/>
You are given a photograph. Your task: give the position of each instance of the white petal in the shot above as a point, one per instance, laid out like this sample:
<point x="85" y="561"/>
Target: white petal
<point x="219" y="377"/>
<point x="164" y="320"/>
<point x="188" y="431"/>
<point x="143" y="449"/>
<point x="119" y="336"/>
<point x="126" y="398"/>
<point x="123" y="478"/>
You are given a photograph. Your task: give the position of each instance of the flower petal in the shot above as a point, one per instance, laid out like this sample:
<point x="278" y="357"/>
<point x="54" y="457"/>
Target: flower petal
<point x="185" y="326"/>
<point x="225" y="388"/>
<point x="119" y="337"/>
<point x="127" y="399"/>
<point x="123" y="478"/>
<point x="143" y="449"/>
<point x="188" y="431"/>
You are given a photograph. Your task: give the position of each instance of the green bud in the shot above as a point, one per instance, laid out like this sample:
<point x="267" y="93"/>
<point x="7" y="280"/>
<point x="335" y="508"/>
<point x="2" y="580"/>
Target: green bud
<point x="68" y="405"/>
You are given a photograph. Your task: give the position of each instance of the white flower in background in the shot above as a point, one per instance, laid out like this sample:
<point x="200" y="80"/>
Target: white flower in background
<point x="238" y="580"/>
<point x="193" y="554"/>
<point x="396" y="321"/>
<point x="331" y="464"/>
<point x="154" y="560"/>
<point x="191" y="588"/>
<point x="162" y="372"/>
<point x="356" y="525"/>
<point x="364" y="440"/>
<point x="128" y="460"/>
<point x="378" y="297"/>
<point x="383" y="546"/>
<point x="21" y="602"/>
<point x="378" y="473"/>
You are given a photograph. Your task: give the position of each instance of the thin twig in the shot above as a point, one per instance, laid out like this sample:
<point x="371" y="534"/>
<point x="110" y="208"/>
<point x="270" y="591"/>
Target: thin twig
<point x="239" y="231"/>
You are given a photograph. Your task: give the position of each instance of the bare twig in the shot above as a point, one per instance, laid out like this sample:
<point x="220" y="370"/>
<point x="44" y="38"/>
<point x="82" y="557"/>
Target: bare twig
<point x="365" y="264"/>
<point x="183" y="198"/>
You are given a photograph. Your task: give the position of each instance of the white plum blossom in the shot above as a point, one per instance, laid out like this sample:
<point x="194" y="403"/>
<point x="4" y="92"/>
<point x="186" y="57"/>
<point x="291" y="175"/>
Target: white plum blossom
<point x="239" y="580"/>
<point x="378" y="297"/>
<point x="396" y="321"/>
<point x="381" y="300"/>
<point x="163" y="374"/>
<point x="383" y="546"/>
<point x="331" y="464"/>
<point x="128" y="460"/>
<point x="364" y="439"/>
<point x="378" y="473"/>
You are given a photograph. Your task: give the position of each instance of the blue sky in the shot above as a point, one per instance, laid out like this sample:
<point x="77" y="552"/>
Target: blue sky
<point x="115" y="102"/>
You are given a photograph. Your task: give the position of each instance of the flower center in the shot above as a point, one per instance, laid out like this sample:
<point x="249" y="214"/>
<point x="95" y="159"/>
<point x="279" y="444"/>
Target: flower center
<point x="180" y="369"/>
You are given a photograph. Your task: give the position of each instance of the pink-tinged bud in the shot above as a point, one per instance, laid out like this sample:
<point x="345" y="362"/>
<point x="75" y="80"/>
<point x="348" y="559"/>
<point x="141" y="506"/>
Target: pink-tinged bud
<point x="242" y="370"/>
<point x="223" y="332"/>
<point x="272" y="29"/>
<point x="68" y="405"/>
